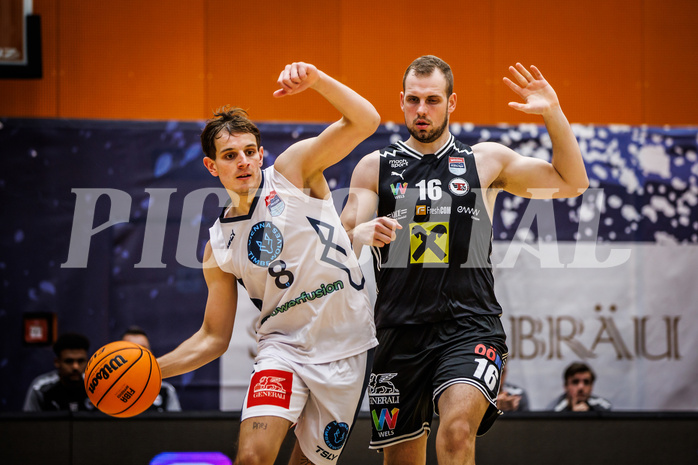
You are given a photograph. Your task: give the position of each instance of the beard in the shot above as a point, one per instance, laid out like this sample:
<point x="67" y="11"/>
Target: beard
<point x="427" y="137"/>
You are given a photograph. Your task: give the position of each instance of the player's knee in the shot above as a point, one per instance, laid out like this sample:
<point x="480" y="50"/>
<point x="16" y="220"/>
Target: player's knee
<point x="457" y="435"/>
<point x="248" y="456"/>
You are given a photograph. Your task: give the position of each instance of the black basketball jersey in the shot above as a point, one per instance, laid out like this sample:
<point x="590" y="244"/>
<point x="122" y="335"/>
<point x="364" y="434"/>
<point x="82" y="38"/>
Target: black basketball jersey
<point x="439" y="267"/>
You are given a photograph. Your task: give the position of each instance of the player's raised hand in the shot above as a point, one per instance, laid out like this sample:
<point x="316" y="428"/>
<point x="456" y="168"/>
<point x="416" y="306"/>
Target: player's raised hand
<point x="533" y="89"/>
<point x="296" y="78"/>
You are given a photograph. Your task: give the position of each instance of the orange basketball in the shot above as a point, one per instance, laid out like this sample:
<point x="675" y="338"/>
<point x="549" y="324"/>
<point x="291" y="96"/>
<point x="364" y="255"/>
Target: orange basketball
<point x="122" y="379"/>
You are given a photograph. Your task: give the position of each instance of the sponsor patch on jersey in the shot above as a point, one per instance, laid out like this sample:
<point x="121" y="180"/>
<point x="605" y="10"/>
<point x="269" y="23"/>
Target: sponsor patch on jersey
<point x="336" y="434"/>
<point x="379" y="384"/>
<point x="398" y="189"/>
<point x="264" y="244"/>
<point x="400" y="214"/>
<point x="429" y="242"/>
<point x="398" y="163"/>
<point x="274" y="204"/>
<point x="398" y="174"/>
<point x="456" y="165"/>
<point x="458" y="186"/>
<point x="385" y="421"/>
<point x="270" y="387"/>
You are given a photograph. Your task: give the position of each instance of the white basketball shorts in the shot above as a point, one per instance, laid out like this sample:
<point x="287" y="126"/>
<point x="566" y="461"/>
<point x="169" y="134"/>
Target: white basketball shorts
<point x="323" y="400"/>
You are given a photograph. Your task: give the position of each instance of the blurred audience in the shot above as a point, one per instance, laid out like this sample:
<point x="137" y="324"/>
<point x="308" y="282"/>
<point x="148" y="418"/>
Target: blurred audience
<point x="62" y="388"/>
<point x="579" y="384"/>
<point x="167" y="400"/>
<point x="511" y="398"/>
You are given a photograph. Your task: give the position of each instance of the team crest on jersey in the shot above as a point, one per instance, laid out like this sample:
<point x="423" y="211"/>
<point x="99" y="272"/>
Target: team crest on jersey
<point x="458" y="186"/>
<point x="264" y="244"/>
<point x="456" y="165"/>
<point x="274" y="203"/>
<point x="336" y="434"/>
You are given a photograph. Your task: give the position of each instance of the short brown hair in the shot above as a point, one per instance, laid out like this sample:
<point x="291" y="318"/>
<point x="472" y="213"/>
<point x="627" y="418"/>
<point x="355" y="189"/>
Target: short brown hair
<point x="232" y="120"/>
<point x="425" y="66"/>
<point x="576" y="368"/>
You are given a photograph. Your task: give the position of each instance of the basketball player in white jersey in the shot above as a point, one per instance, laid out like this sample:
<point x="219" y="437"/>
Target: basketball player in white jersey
<point x="281" y="238"/>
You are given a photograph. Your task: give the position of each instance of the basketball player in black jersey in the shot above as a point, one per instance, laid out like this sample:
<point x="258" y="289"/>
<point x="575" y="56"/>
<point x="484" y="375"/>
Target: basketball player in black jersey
<point x="425" y="206"/>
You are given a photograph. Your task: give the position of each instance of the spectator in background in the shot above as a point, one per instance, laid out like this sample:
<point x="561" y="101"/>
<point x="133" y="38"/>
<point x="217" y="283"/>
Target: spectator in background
<point x="579" y="383"/>
<point x="167" y="400"/>
<point x="62" y="388"/>
<point x="511" y="398"/>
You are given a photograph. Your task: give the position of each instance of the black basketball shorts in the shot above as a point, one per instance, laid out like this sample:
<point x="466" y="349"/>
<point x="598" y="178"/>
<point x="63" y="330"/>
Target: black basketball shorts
<point x="414" y="364"/>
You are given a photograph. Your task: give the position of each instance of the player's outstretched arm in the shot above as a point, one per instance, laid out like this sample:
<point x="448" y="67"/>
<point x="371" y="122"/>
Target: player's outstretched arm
<point x="566" y="175"/>
<point x="212" y="339"/>
<point x="303" y="161"/>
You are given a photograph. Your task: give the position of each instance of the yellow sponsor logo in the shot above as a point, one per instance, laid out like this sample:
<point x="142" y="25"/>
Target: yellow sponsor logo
<point x="429" y="242"/>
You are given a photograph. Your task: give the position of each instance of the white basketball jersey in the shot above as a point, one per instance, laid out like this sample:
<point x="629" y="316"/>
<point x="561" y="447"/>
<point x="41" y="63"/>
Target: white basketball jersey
<point x="295" y="260"/>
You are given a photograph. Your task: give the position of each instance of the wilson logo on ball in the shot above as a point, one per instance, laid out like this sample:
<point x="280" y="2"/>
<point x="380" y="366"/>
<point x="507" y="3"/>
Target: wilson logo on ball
<point x="107" y="369"/>
<point x="122" y="379"/>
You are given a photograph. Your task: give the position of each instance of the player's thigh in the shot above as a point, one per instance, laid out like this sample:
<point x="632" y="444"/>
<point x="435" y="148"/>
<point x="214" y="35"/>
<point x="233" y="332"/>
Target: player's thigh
<point x="261" y="439"/>
<point x="413" y="452"/>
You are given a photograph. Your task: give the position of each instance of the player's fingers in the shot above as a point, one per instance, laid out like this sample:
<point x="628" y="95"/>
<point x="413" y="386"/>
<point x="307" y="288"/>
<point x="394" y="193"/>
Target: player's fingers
<point x="302" y="71"/>
<point x="295" y="73"/>
<point x="383" y="235"/>
<point x="284" y="78"/>
<point x="391" y="223"/>
<point x="536" y="72"/>
<point x="381" y="239"/>
<point x="524" y="72"/>
<point x="518" y="76"/>
<point x="512" y="85"/>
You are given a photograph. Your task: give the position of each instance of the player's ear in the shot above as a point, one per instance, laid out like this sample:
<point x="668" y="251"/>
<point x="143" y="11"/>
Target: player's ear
<point x="261" y="155"/>
<point x="402" y="101"/>
<point x="210" y="165"/>
<point x="452" y="102"/>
